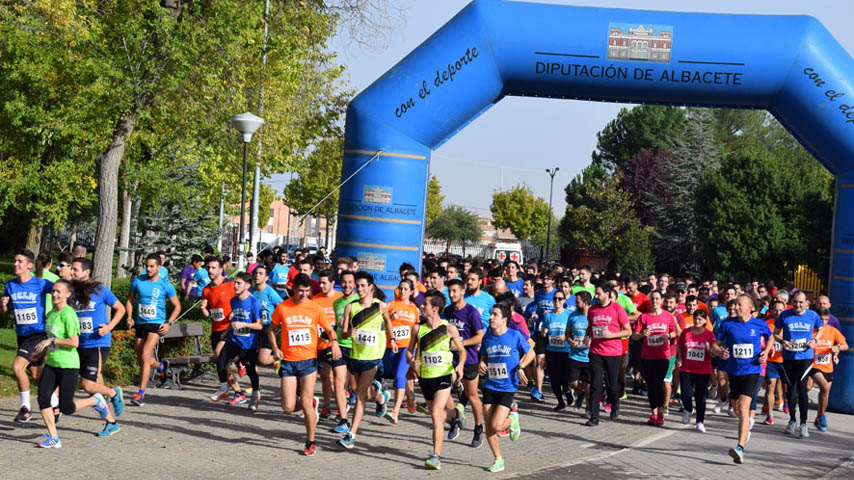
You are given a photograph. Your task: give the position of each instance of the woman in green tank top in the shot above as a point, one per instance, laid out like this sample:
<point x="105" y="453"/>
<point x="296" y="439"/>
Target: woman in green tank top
<point x="429" y="354"/>
<point x="366" y="322"/>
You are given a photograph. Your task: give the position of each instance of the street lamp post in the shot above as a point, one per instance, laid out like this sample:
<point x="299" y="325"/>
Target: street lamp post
<point x="551" y="173"/>
<point x="246" y="124"/>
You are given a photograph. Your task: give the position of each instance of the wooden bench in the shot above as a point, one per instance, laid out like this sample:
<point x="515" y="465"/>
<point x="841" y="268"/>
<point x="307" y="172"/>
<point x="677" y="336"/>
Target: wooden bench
<point x="177" y="365"/>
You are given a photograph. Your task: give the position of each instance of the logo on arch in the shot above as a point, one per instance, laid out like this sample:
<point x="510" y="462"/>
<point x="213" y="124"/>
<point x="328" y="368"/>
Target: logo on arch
<point x="640" y="43"/>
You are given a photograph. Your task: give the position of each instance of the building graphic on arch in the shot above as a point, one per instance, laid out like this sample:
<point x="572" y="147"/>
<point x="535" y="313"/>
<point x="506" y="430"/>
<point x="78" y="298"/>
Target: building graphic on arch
<point x="652" y="43"/>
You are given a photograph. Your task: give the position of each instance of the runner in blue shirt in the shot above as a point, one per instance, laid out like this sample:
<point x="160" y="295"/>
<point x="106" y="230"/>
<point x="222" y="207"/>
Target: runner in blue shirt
<point x="468" y="321"/>
<point x="557" y="350"/>
<point x="201" y="279"/>
<point x="504" y="354"/>
<point x="25" y="296"/>
<point x="95" y="338"/>
<point x="269" y="299"/>
<point x="148" y="294"/>
<point x="543" y="303"/>
<point x="511" y="278"/>
<point x="279" y="276"/>
<point x="578" y="376"/>
<point x="796" y="329"/>
<point x="739" y="344"/>
<point x="476" y="297"/>
<point x="242" y="343"/>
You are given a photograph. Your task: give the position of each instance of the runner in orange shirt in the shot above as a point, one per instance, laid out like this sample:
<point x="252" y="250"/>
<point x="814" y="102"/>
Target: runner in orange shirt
<point x="404" y="314"/>
<point x="775" y="376"/>
<point x="827" y="348"/>
<point x="330" y="369"/>
<point x="300" y="318"/>
<point x="216" y="305"/>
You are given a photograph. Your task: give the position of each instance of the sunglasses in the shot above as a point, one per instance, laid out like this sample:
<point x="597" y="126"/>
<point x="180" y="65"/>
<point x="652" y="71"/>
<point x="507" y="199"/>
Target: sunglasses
<point x="62" y="265"/>
<point x="559" y="298"/>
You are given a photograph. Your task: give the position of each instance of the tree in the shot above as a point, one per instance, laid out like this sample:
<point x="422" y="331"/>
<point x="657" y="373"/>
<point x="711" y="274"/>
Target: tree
<point x="519" y="210"/>
<point x="644" y="126"/>
<point x="434" y="200"/>
<point x="556" y="241"/>
<point x="318" y="177"/>
<point x="765" y="210"/>
<point x="600" y="216"/>
<point x="455" y="224"/>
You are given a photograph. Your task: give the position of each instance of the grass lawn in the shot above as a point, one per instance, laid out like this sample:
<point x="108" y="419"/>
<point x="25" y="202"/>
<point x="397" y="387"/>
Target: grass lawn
<point x="8" y="348"/>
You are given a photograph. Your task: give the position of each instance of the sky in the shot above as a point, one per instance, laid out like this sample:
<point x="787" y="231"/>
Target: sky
<point x="518" y="138"/>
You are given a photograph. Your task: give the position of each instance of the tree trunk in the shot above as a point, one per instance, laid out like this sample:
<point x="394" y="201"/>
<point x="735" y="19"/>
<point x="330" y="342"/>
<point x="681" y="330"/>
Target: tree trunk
<point x="108" y="186"/>
<point x="124" y="237"/>
<point x="72" y="239"/>
<point x="34" y="237"/>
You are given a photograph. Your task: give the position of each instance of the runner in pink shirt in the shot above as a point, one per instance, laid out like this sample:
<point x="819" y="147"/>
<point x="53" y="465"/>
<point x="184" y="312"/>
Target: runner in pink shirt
<point x="608" y="325"/>
<point x="657" y="328"/>
<point x="694" y="361"/>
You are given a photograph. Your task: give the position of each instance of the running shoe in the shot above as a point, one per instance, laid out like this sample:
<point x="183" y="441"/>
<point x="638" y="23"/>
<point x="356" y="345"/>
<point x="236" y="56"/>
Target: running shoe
<point x="569" y="397"/>
<point x="50" y="442"/>
<point x="719" y="406"/>
<point x="351" y="397"/>
<point x="238" y="399"/>
<point x="769" y="420"/>
<point x="458" y="390"/>
<point x="686" y="417"/>
<point x="821" y="423"/>
<point x="138" y="399"/>
<point x="379" y="386"/>
<point x="665" y="410"/>
<point x="101" y="406"/>
<point x="477" y="439"/>
<point x="411" y="404"/>
<point x="57" y="415"/>
<point x="653" y="420"/>
<point x="220" y="394"/>
<point x="109" y="429"/>
<point x="737" y="455"/>
<point x="504" y="433"/>
<point x="433" y="462"/>
<point x="592" y="422"/>
<point x="342" y="427"/>
<point x="530" y="387"/>
<point x="625" y="396"/>
<point x="422" y="408"/>
<point x="700" y="427"/>
<point x="23" y="415"/>
<point x="255" y="402"/>
<point x="588" y="413"/>
<point x="276" y="366"/>
<point x="606" y="408"/>
<point x="786" y="407"/>
<point x="241" y="369"/>
<point x="348" y="441"/>
<point x="779" y="406"/>
<point x="615" y="412"/>
<point x="161" y="369"/>
<point x="805" y="433"/>
<point x="515" y="429"/>
<point x="118" y="402"/>
<point x="514" y="406"/>
<point x="454" y="432"/>
<point x="731" y="412"/>
<point x="324" y="413"/>
<point x="461" y="414"/>
<point x="579" y="402"/>
<point x="537" y="395"/>
<point x="560" y="406"/>
<point x="764" y="409"/>
<point x="382" y="407"/>
<point x="791" y="427"/>
<point x="310" y="449"/>
<point x="390" y="417"/>
<point x="660" y="420"/>
<point x="497" y="466"/>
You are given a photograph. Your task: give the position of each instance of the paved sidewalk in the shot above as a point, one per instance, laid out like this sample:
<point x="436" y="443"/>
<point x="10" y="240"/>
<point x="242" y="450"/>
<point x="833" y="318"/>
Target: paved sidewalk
<point x="182" y="434"/>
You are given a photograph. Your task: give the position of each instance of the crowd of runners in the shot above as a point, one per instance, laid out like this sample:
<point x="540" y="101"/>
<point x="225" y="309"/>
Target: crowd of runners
<point x="470" y="333"/>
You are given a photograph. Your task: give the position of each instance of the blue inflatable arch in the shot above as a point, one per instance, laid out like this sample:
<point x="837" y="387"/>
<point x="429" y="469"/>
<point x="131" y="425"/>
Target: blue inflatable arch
<point x="790" y="65"/>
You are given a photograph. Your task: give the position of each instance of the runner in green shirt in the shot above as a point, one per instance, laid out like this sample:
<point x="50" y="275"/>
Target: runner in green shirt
<point x="348" y="283"/>
<point x="62" y="362"/>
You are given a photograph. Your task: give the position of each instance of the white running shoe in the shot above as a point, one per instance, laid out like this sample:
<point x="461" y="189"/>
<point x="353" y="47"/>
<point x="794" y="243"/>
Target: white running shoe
<point x="805" y="433"/>
<point x="701" y="428"/>
<point x="790" y="429"/>
<point x="220" y="394"/>
<point x="731" y="412"/>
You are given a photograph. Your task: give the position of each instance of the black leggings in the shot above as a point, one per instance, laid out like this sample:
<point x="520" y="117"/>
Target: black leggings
<point x="607" y="368"/>
<point x="795" y="372"/>
<point x="654" y="371"/>
<point x="232" y="351"/>
<point x="695" y="383"/>
<point x="66" y="380"/>
<point x="557" y="365"/>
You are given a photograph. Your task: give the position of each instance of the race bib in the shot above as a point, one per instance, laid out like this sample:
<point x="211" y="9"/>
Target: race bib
<point x="401" y="332"/>
<point x="555" y="341"/>
<point x="86" y="325"/>
<point x="497" y="371"/>
<point x="217" y="315"/>
<point x="798" y="345"/>
<point x="579" y="339"/>
<point x="778" y="347"/>
<point x="433" y="359"/>
<point x="299" y="337"/>
<point x="599" y="332"/>
<point x="822" y="359"/>
<point x="147" y="311"/>
<point x="655" y="340"/>
<point x="367" y="338"/>
<point x="696" y="354"/>
<point x="26" y="316"/>
<point x="241" y="332"/>
<point x="742" y="350"/>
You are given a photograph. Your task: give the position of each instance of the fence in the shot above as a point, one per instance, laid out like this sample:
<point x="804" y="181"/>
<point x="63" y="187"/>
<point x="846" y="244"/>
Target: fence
<point x="530" y="251"/>
<point x="808" y="281"/>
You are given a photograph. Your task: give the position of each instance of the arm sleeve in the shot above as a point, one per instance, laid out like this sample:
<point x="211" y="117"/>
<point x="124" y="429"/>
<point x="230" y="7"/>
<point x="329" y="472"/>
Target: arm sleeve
<point x="622" y="317"/>
<point x="474" y="318"/>
<point x="47" y="289"/>
<point x="170" y="291"/>
<point x="110" y="297"/>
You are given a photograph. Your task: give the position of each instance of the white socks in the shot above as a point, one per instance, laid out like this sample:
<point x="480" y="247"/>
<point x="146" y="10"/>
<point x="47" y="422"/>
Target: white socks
<point x="54" y="400"/>
<point x="25" y="399"/>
